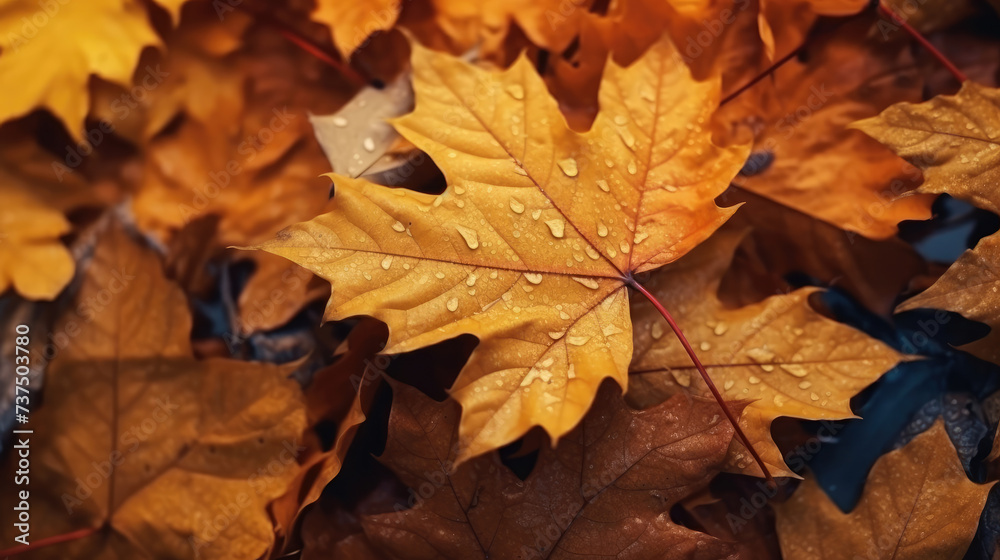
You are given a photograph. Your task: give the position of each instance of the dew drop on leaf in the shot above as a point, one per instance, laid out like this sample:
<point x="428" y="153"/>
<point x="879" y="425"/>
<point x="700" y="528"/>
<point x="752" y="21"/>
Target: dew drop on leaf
<point x="470" y="236"/>
<point x="568" y="167"/>
<point x="556" y="226"/>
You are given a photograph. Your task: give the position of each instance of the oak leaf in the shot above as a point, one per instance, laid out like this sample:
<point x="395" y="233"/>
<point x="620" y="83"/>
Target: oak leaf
<point x="780" y="353"/>
<point x="604" y="492"/>
<point x="918" y="504"/>
<point x="145" y="444"/>
<point x="532" y="245"/>
<point x="955" y="140"/>
<point x="50" y="51"/>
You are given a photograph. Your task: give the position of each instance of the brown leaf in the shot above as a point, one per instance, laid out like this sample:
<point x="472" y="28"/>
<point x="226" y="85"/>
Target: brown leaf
<point x="145" y="443"/>
<point x="604" y="492"/>
<point x="956" y="141"/>
<point x="918" y="504"/>
<point x="815" y="163"/>
<point x="783" y="240"/>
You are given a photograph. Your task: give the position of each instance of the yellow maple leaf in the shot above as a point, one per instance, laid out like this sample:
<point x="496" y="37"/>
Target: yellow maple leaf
<point x="955" y="140"/>
<point x="779" y="353"/>
<point x="534" y="242"/>
<point x="917" y="504"/>
<point x="351" y="23"/>
<point x="35" y="192"/>
<point x="32" y="258"/>
<point x="178" y="457"/>
<point x="49" y="50"/>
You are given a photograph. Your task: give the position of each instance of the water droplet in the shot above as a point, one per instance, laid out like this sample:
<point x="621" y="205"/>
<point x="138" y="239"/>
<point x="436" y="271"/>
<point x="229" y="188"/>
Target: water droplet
<point x="520" y="170"/>
<point x="603" y="185"/>
<point x="387" y="262"/>
<point x="471" y="280"/>
<point x="683" y="378"/>
<point x="753" y="379"/>
<point x="639" y="237"/>
<point x="610" y="329"/>
<point x="627" y="137"/>
<point x="624" y="247"/>
<point x="720" y="329"/>
<point x="588" y="282"/>
<point x="516" y="205"/>
<point x="533" y="277"/>
<point x="339" y="121"/>
<point x="369" y="144"/>
<point x="452" y="304"/>
<point x="470" y="235"/>
<point x="804" y="385"/>
<point x="728" y="384"/>
<point x="656" y="331"/>
<point x="795" y="369"/>
<point x="602" y="229"/>
<point x="670" y="188"/>
<point x="568" y="167"/>
<point x="592" y="253"/>
<point x="632" y="168"/>
<point x="578" y="340"/>
<point x="535" y="214"/>
<point x="398" y="226"/>
<point x="705" y="346"/>
<point x="556" y="226"/>
<point x="556" y="335"/>
<point x="760" y="355"/>
<point x="439" y="275"/>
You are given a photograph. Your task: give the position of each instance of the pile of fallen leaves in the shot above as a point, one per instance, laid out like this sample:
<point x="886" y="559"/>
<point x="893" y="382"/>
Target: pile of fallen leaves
<point x="332" y="279"/>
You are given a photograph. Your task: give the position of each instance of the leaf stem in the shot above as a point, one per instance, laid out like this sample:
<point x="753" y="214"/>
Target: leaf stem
<point x="48" y="541"/>
<point x="891" y="14"/>
<point x="704" y="375"/>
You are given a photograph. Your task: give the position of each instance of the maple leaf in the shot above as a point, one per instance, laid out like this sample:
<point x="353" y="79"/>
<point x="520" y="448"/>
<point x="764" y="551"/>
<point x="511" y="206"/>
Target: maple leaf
<point x="32" y="259"/>
<point x="780" y="353"/>
<point x="782" y="241"/>
<point x="171" y="435"/>
<point x="800" y="129"/>
<point x="795" y="17"/>
<point x="50" y="50"/>
<point x="200" y="76"/>
<point x="277" y="291"/>
<point x="917" y="504"/>
<point x="351" y="23"/>
<point x="604" y="492"/>
<point x="532" y="245"/>
<point x="955" y="140"/>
